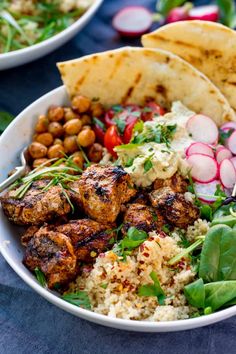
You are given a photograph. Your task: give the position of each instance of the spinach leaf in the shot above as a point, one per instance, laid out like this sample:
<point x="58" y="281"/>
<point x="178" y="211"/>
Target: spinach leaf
<point x="5" y="120"/>
<point x="80" y="299"/>
<point x="153" y="289"/>
<point x="195" y="293"/>
<point x="133" y="239"/>
<point x="219" y="293"/>
<point x="229" y="220"/>
<point x="218" y="261"/>
<point x="164" y="6"/>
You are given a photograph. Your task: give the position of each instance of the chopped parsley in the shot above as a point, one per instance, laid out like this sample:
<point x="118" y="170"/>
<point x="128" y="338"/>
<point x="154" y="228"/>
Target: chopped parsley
<point x="121" y="124"/>
<point x="132" y="240"/>
<point x="224" y="135"/>
<point x="148" y="165"/>
<point x="80" y="298"/>
<point x="153" y="289"/>
<point x="40" y="276"/>
<point x="99" y="123"/>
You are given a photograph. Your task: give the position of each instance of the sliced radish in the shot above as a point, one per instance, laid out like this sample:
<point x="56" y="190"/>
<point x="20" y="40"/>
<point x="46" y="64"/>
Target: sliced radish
<point x="206" y="191"/>
<point x="199" y="148"/>
<point x="222" y="154"/>
<point x="228" y="125"/>
<point x="233" y="160"/>
<point x="203" y="129"/>
<point x="204" y="168"/>
<point x="132" y="21"/>
<point x="227" y="174"/>
<point x="179" y="13"/>
<point x="231" y="143"/>
<point x="204" y="13"/>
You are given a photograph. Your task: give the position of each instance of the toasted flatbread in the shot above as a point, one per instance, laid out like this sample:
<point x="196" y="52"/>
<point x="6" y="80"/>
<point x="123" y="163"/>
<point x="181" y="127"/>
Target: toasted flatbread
<point x="135" y="75"/>
<point x="209" y="46"/>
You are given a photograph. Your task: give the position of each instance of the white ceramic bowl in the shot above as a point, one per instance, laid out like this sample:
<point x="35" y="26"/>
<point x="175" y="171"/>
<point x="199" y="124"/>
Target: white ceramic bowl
<point x="17" y="136"/>
<point x="25" y="55"/>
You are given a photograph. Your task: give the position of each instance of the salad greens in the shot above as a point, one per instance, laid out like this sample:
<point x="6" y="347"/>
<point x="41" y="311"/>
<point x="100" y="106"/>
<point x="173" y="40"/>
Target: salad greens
<point x="153" y="289"/>
<point x="80" y="298"/>
<point x="40" y="276"/>
<point x="5" y="120"/>
<point x="21" y="29"/>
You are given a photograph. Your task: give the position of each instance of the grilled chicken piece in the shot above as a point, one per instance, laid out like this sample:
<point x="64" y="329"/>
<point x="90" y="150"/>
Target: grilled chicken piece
<point x="52" y="252"/>
<point x="36" y="206"/>
<point x="142" y="217"/>
<point x="88" y="237"/>
<point x="174" y="207"/>
<point x="177" y="183"/>
<point x="103" y="189"/>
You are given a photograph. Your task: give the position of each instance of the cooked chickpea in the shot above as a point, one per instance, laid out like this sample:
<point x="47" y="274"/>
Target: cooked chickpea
<point x="86" y="137"/>
<point x="58" y="141"/>
<point x="39" y="162"/>
<point x="42" y="124"/>
<point x="86" y="127"/>
<point x="56" y="151"/>
<point x="72" y="127"/>
<point x="81" y="103"/>
<point x="37" y="150"/>
<point x="86" y="119"/>
<point x="69" y="114"/>
<point x="56" y="129"/>
<point x="45" y="139"/>
<point x="95" y="152"/>
<point x="55" y="113"/>
<point x="70" y="144"/>
<point x="96" y="109"/>
<point x="78" y="159"/>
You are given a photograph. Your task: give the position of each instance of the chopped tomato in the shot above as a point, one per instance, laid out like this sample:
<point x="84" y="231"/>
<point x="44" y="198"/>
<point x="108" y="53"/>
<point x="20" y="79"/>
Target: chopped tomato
<point x="129" y="130"/>
<point x="112" y="139"/>
<point x="100" y="133"/>
<point x="152" y="109"/>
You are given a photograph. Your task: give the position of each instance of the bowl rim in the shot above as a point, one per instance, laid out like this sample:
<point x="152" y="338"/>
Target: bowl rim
<point x="53" y="297"/>
<point x="57" y="37"/>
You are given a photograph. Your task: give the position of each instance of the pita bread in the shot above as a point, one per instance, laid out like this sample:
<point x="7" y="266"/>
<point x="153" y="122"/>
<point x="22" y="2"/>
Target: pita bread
<point x="209" y="46"/>
<point x="134" y="75"/>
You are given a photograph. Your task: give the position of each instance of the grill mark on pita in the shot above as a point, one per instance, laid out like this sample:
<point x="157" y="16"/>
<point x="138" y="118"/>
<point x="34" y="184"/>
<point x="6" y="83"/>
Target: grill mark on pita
<point x="178" y="42"/>
<point x="230" y="82"/>
<point x="131" y="88"/>
<point x="81" y="80"/>
<point x="116" y="66"/>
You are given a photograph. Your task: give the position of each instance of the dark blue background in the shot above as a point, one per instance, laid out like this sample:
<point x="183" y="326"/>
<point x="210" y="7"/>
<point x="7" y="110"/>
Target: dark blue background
<point x="28" y="323"/>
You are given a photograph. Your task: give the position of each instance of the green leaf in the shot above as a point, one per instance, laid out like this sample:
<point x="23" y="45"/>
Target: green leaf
<point x="219" y="293"/>
<point x="164" y="6"/>
<point x="132" y="240"/>
<point x="227" y="12"/>
<point x="195" y="293"/>
<point x="153" y="289"/>
<point x="206" y="212"/>
<point x="99" y="123"/>
<point x="5" y="120"/>
<point x="79" y="298"/>
<point x="218" y="261"/>
<point x="120" y="123"/>
<point x="185" y="252"/>
<point x="40" y="276"/>
<point x="148" y="165"/>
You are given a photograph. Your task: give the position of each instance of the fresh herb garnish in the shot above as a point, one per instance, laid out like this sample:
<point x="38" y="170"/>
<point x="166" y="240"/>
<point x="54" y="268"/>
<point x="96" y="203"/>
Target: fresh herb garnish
<point x="186" y="251"/>
<point x="99" y="123"/>
<point x="148" y="164"/>
<point x="224" y="135"/>
<point x="132" y="240"/>
<point x="40" y="276"/>
<point x="80" y="298"/>
<point x="129" y="162"/>
<point x="5" y="120"/>
<point x="121" y="124"/>
<point x="153" y="289"/>
<point x="104" y="285"/>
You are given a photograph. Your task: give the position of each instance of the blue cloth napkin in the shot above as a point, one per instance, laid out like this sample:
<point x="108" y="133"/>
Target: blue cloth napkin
<point x="28" y="323"/>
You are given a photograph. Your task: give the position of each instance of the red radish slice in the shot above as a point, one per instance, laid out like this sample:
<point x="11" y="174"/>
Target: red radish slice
<point x="233" y="160"/>
<point x="199" y="148"/>
<point x="132" y="21"/>
<point x="179" y="13"/>
<point x="222" y="154"/>
<point x="204" y="13"/>
<point x="231" y="143"/>
<point x="228" y="125"/>
<point x="203" y="190"/>
<point x="227" y="174"/>
<point x="204" y="169"/>
<point x="202" y="129"/>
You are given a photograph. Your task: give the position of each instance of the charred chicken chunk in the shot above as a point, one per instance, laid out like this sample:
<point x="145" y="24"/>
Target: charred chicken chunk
<point x="142" y="217"/>
<point x="88" y="237"/>
<point x="53" y="253"/>
<point x="174" y="207"/>
<point x="103" y="189"/>
<point x="37" y="205"/>
<point x="177" y="183"/>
